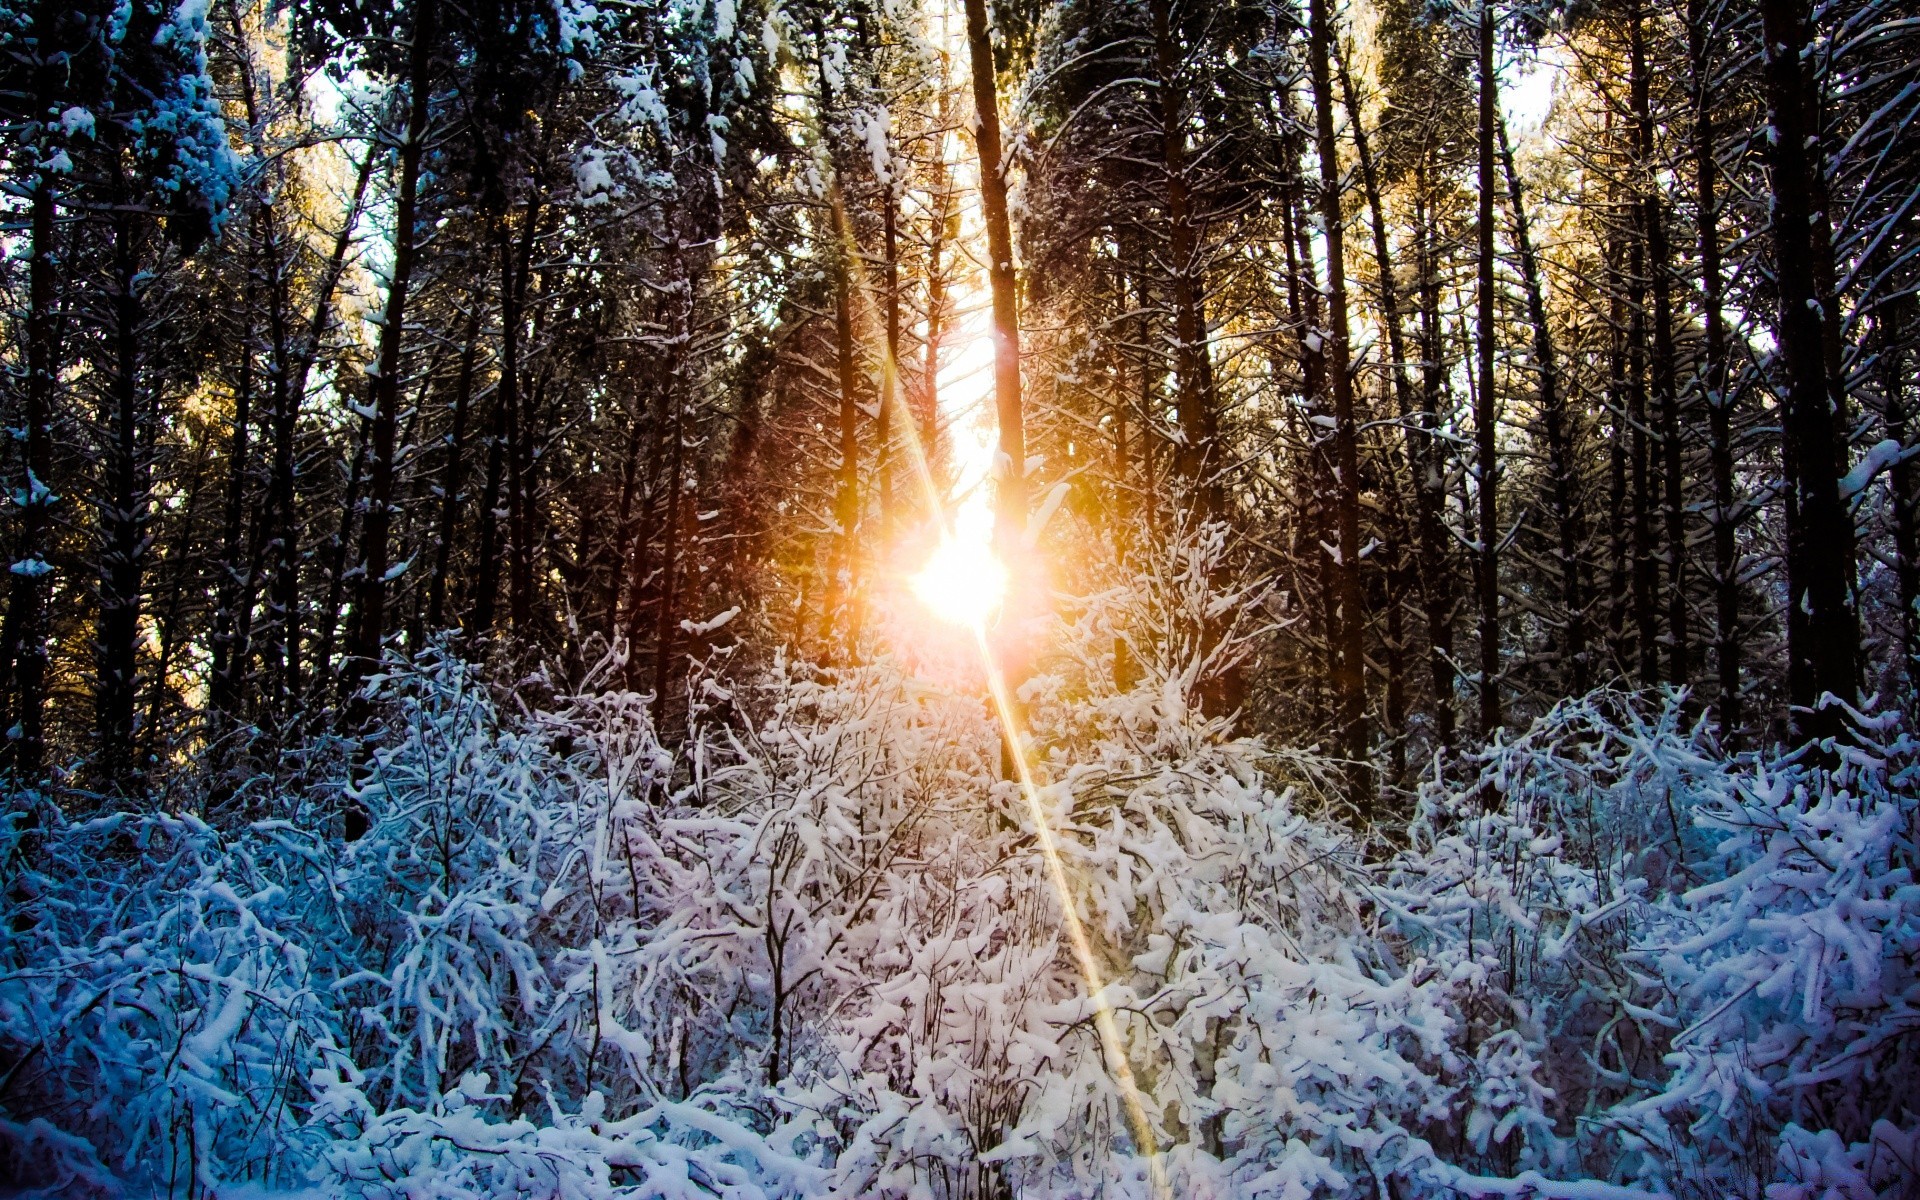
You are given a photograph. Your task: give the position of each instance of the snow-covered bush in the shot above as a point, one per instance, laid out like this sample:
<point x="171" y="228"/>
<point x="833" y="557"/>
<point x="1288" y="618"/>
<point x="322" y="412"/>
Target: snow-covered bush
<point x="814" y="949"/>
<point x="1712" y="960"/>
<point x="161" y="996"/>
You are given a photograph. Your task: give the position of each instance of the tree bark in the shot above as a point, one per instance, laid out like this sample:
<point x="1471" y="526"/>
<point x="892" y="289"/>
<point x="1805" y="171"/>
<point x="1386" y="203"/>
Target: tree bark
<point x="25" y="630"/>
<point x="1665" y="390"/>
<point x="363" y="649"/>
<point x="1010" y="508"/>
<point x="1194" y="454"/>
<point x="1713" y="378"/>
<point x="453" y="473"/>
<point x="282" y="650"/>
<point x="1349" y="682"/>
<point x="1416" y="435"/>
<point x="1430" y="466"/>
<point x="1554" y="417"/>
<point x="1485" y="412"/>
<point x="1822" y="634"/>
<point x="122" y="523"/>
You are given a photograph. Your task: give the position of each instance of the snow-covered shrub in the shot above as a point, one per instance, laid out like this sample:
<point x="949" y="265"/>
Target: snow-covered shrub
<point x="814" y="949"/>
<point x="1794" y="969"/>
<point x="160" y="996"/>
<point x="1712" y="961"/>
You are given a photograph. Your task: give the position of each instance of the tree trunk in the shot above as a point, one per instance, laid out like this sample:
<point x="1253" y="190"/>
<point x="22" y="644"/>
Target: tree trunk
<point x="846" y="505"/>
<point x="1349" y="682"/>
<point x="889" y="364"/>
<point x="1554" y="417"/>
<point x="677" y="397"/>
<point x="1891" y="330"/>
<point x="1665" y="390"/>
<point x="122" y="524"/>
<point x="453" y="474"/>
<point x="515" y="264"/>
<point x="363" y="649"/>
<point x="1713" y="375"/>
<point x="1010" y="509"/>
<point x="1430" y="466"/>
<point x="25" y="632"/>
<point x="1194" y="454"/>
<point x="1646" y="567"/>
<point x="282" y="649"/>
<point x="1417" y="442"/>
<point x="1822" y="636"/>
<point x="1485" y="407"/>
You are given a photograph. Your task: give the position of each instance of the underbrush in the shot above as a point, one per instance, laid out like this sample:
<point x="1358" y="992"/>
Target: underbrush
<point x="810" y="949"/>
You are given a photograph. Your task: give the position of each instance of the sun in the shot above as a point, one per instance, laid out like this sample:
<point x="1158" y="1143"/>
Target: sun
<point x="962" y="582"/>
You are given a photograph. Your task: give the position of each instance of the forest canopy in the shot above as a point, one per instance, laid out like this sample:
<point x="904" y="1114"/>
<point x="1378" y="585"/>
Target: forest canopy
<point x="960" y="598"/>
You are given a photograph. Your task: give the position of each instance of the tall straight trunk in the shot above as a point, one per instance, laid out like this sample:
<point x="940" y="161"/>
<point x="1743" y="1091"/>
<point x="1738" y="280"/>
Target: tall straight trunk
<point x="224" y="683"/>
<point x="370" y="605"/>
<point x="453" y="474"/>
<point x="1010" y="508"/>
<point x="515" y="263"/>
<point x="1349" y="682"/>
<point x="1646" y="567"/>
<point x="1303" y="296"/>
<point x="241" y="563"/>
<point x="281" y="652"/>
<point x="1713" y="378"/>
<point x="122" y="523"/>
<point x="846" y="505"/>
<point x="890" y="363"/>
<point x="1822" y="635"/>
<point x="1665" y="389"/>
<point x="337" y="547"/>
<point x="1417" y="442"/>
<point x="233" y="589"/>
<point x="677" y="397"/>
<point x="1485" y="443"/>
<point x="620" y="545"/>
<point x="1553" y="416"/>
<point x="1891" y="329"/>
<point x="485" y="600"/>
<point x="25" y="630"/>
<point x="1194" y="454"/>
<point x="1620" y="571"/>
<point x="1430" y="466"/>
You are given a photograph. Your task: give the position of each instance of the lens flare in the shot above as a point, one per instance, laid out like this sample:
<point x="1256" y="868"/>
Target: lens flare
<point x="962" y="582"/>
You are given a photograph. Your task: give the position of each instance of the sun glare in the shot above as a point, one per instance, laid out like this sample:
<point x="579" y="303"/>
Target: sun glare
<point x="962" y="582"/>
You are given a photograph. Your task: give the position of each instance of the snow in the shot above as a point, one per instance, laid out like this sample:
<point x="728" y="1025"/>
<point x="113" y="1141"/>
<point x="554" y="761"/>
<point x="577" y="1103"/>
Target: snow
<point x="808" y="948"/>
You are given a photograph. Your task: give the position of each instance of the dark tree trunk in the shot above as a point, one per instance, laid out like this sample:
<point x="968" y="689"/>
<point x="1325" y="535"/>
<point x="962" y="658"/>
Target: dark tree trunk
<point x="1011" y="503"/>
<point x="1665" y="390"/>
<point x="370" y="616"/>
<point x="123" y="519"/>
<point x="1822" y="634"/>
<point x="486" y="583"/>
<point x="1713" y="377"/>
<point x="282" y="650"/>
<point x="1892" y="331"/>
<point x="846" y="505"/>
<point x="889" y="364"/>
<point x="1486" y="446"/>
<point x="678" y="396"/>
<point x="1429" y="468"/>
<point x="1349" y="681"/>
<point x="1646" y="567"/>
<point x="453" y="473"/>
<point x="25" y="630"/>
<point x="1417" y="440"/>
<point x="1194" y="454"/>
<point x="1554" y="419"/>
